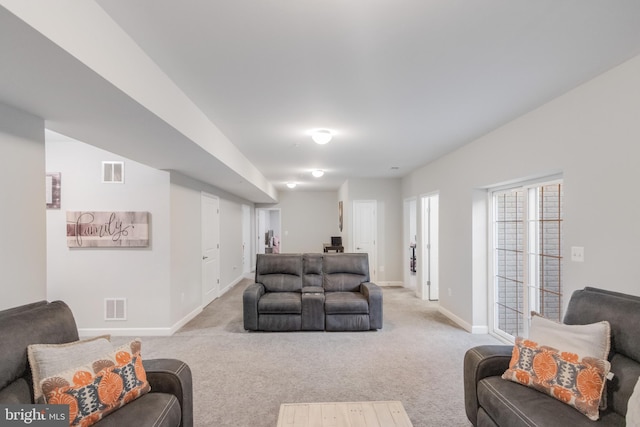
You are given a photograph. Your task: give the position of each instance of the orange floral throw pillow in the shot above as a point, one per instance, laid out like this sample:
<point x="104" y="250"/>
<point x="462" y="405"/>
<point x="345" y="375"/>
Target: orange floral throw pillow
<point x="562" y="375"/>
<point x="99" y="388"/>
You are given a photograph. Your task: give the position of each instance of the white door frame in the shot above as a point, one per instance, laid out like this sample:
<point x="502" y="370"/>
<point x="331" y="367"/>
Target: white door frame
<point x="261" y="228"/>
<point x="429" y="248"/>
<point x="410" y="217"/>
<point x="246" y="239"/>
<point x="210" y="245"/>
<point x="373" y="233"/>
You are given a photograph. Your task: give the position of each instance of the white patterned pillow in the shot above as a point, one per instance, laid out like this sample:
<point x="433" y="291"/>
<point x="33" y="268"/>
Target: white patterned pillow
<point x="49" y="359"/>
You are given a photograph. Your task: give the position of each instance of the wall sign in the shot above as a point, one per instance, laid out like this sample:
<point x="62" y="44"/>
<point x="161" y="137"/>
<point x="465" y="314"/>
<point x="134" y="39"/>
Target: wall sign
<point x="107" y="229"/>
<point x="52" y="187"/>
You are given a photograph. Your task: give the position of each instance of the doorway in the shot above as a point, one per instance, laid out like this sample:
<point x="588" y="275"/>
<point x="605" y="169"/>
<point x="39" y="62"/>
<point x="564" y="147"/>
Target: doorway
<point x="268" y="231"/>
<point x="364" y="232"/>
<point x="210" y="219"/>
<point x="429" y="248"/>
<point x="409" y="264"/>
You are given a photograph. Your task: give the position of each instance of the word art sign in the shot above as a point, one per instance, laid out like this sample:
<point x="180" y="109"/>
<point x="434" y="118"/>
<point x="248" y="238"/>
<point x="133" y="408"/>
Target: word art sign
<point x="107" y="229"/>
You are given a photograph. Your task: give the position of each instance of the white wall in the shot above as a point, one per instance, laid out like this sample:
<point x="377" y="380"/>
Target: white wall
<point x="308" y="220"/>
<point x="83" y="277"/>
<point x="162" y="283"/>
<point x="388" y="194"/>
<point x="186" y="241"/>
<point x="591" y="136"/>
<point x="22" y="235"/>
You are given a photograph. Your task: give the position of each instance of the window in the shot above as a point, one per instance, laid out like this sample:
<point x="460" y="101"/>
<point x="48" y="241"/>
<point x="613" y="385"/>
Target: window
<point x="527" y="256"/>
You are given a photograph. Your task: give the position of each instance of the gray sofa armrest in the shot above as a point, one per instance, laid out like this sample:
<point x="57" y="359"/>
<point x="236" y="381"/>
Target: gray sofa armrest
<point x="482" y="362"/>
<point x="250" y="298"/>
<point x="373" y="293"/>
<point x="173" y="377"/>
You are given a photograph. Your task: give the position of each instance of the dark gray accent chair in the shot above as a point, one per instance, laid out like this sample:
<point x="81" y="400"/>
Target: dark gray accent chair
<point x="312" y="292"/>
<point x="492" y="401"/>
<point x="169" y="403"/>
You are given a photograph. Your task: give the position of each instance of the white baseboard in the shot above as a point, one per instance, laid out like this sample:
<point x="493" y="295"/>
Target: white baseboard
<point x="474" y="329"/>
<point x="186" y="319"/>
<point x="457" y="320"/>
<point x="480" y="329"/>
<point x="125" y="332"/>
<point x="140" y="332"/>
<point x="390" y="283"/>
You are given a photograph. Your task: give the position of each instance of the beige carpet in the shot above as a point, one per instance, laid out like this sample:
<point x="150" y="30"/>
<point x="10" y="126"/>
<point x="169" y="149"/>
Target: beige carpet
<point x="242" y="378"/>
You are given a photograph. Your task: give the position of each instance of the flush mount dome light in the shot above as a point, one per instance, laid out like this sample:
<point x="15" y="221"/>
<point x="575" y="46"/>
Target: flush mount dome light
<point x="321" y="136"/>
<point x="291" y="184"/>
<point x="317" y="173"/>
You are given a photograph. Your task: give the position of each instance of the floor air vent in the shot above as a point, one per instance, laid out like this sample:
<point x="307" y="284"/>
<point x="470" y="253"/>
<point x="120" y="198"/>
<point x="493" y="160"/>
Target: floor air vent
<point x="115" y="309"/>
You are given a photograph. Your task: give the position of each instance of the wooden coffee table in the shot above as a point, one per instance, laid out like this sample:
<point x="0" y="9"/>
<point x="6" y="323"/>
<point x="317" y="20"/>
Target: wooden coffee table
<point x="343" y="414"/>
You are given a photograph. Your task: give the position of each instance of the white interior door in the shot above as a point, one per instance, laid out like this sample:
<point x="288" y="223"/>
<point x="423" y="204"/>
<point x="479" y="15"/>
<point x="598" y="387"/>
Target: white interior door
<point x="364" y="232"/>
<point x="430" y="282"/>
<point x="210" y="219"/>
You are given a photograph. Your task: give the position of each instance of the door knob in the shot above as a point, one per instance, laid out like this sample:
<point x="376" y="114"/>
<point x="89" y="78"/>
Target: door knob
<point x="205" y="257"/>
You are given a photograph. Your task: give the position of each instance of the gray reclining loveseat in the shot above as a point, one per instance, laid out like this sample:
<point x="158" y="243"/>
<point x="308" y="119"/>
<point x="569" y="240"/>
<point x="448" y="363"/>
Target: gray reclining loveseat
<point x="312" y="292"/>
<point x="169" y="403"/>
<point x="493" y="401"/>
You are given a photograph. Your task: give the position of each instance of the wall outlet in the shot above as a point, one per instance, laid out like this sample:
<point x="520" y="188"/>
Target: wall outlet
<point x="577" y="253"/>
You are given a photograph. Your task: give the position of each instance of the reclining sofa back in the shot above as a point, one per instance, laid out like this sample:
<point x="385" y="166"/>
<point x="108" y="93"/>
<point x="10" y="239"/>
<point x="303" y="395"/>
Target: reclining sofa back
<point x="345" y="272"/>
<point x="279" y="273"/>
<point x="622" y="311"/>
<point x="36" y="323"/>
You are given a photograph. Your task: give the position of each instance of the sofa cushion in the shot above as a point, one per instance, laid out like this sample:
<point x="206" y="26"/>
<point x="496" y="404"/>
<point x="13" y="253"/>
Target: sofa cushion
<point x="576" y="382"/>
<point x="280" y="303"/>
<point x="345" y="272"/>
<point x="99" y="388"/>
<point x="514" y="405"/>
<point x="279" y="272"/>
<point x="50" y="359"/>
<point x="312" y="270"/>
<point x="345" y="303"/>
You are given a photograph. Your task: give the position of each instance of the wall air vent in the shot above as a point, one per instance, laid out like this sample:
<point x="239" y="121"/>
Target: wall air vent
<point x="113" y="172"/>
<point x="115" y="309"/>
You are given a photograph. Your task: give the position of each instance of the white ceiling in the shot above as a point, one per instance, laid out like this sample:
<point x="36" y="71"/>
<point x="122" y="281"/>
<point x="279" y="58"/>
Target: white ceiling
<point x="400" y="82"/>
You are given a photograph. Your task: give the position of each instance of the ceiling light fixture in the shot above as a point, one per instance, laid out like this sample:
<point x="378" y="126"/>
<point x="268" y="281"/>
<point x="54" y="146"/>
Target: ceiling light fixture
<point x="321" y="136"/>
<point x="317" y="173"/>
<point x="291" y="184"/>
